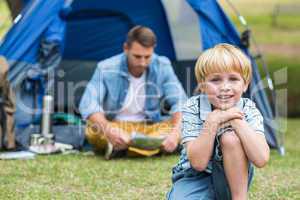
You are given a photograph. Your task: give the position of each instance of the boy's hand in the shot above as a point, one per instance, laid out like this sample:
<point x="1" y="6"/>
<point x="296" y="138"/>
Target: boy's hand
<point x="218" y="117"/>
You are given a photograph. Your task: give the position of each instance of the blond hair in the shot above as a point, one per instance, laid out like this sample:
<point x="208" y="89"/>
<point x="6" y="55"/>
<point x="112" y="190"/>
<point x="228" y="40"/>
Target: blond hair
<point x="223" y="58"/>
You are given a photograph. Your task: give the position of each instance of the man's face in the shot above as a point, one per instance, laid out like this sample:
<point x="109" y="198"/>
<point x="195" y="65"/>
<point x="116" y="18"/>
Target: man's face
<point x="138" y="58"/>
<point x="225" y="89"/>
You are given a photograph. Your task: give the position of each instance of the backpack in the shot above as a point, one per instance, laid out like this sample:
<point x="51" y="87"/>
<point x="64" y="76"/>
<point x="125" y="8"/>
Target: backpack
<point x="7" y="109"/>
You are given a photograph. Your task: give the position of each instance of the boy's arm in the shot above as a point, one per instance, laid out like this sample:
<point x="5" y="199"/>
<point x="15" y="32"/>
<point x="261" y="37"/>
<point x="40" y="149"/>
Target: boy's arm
<point x="254" y="144"/>
<point x="199" y="151"/>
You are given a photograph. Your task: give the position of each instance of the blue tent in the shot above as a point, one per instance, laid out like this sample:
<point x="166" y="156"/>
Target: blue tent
<point x="91" y="30"/>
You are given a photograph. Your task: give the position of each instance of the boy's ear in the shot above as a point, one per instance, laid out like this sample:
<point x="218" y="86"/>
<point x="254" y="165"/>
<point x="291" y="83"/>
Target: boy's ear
<point x="245" y="87"/>
<point x="198" y="88"/>
<point x="201" y="87"/>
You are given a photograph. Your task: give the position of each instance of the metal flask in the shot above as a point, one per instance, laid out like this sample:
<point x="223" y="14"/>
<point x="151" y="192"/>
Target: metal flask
<point x="46" y="116"/>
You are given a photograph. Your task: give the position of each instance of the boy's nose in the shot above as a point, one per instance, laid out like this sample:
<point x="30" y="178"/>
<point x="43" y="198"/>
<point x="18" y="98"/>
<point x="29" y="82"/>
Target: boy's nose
<point x="225" y="86"/>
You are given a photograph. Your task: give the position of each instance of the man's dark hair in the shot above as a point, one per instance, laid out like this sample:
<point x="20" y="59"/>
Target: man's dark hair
<point x="142" y="35"/>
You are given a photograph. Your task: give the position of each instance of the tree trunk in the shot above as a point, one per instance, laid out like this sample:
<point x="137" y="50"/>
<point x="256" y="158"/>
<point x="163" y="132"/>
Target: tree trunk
<point x="15" y="7"/>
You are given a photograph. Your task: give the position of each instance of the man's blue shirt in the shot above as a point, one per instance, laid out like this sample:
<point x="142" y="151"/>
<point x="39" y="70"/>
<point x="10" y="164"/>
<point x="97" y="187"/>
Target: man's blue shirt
<point x="107" y="90"/>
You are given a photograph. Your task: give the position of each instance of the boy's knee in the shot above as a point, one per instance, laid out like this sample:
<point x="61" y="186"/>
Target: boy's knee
<point x="230" y="140"/>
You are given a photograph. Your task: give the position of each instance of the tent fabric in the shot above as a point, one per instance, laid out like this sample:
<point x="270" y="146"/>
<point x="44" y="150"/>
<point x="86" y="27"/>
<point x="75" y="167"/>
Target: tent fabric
<point x="216" y="28"/>
<point x="215" y="25"/>
<point x="100" y="39"/>
<point x="22" y="42"/>
<point x="32" y="43"/>
<point x="90" y="31"/>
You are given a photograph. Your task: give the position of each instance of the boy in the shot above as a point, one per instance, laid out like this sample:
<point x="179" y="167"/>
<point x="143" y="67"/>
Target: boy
<point x="219" y="124"/>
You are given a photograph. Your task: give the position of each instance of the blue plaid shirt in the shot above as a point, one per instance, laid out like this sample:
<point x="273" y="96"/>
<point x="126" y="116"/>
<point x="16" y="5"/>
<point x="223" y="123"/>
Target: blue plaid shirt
<point x="194" y="115"/>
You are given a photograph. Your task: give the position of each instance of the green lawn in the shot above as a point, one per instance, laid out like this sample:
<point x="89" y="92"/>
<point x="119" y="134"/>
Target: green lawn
<point x="277" y="63"/>
<point x="90" y="177"/>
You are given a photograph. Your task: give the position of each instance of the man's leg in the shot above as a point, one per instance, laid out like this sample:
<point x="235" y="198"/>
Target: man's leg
<point x="235" y="165"/>
<point x="99" y="142"/>
<point x="153" y="130"/>
<point x="97" y="138"/>
<point x="157" y="129"/>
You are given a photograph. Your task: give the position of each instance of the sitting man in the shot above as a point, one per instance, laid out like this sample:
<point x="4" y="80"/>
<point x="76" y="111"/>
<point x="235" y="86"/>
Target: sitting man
<point x="126" y="94"/>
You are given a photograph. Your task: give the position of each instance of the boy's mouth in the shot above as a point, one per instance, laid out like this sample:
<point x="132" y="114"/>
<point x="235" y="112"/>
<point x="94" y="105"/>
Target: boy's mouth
<point x="224" y="97"/>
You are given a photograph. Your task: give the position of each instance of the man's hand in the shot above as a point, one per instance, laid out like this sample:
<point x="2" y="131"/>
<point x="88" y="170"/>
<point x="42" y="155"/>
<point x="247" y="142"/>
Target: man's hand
<point x="118" y="138"/>
<point x="171" y="142"/>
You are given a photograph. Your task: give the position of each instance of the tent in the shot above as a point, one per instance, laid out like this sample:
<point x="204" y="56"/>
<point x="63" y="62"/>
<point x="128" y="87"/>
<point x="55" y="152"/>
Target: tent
<point x="91" y="30"/>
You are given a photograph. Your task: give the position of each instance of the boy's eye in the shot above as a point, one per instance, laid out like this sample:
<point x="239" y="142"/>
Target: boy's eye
<point x="234" y="79"/>
<point x="215" y="80"/>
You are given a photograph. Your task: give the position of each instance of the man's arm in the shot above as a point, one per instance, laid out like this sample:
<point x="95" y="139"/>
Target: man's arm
<point x="173" y="138"/>
<point x="175" y="96"/>
<point x="173" y="92"/>
<point x="93" y="96"/>
<point x="91" y="110"/>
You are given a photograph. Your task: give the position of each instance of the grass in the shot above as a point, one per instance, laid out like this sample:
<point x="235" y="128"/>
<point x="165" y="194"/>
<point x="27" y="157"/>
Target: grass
<point x="258" y="15"/>
<point x="256" y="7"/>
<point x="90" y="177"/>
<point x="85" y="177"/>
<point x="277" y="63"/>
<point x="280" y="179"/>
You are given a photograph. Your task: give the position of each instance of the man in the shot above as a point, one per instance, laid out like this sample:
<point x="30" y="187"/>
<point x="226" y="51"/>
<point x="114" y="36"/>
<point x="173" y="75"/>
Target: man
<point x="127" y="94"/>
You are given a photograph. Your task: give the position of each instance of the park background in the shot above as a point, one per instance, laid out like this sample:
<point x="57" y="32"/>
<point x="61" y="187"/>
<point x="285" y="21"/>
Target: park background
<point x="82" y="176"/>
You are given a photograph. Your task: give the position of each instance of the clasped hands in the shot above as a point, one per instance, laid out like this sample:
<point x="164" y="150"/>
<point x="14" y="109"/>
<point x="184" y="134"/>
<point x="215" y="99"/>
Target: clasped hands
<point x="223" y="118"/>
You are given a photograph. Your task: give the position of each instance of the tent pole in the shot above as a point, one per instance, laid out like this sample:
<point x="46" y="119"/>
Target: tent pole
<point x="280" y="134"/>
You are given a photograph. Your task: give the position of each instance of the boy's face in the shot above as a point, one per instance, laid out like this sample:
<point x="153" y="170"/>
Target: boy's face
<point x="224" y="89"/>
